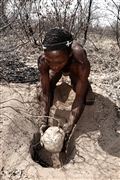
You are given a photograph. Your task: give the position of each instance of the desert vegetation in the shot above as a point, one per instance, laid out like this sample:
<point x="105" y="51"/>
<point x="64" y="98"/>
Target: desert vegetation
<point x="95" y="144"/>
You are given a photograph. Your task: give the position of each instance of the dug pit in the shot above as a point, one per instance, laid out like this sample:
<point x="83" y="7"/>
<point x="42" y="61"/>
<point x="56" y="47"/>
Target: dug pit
<point x="43" y="157"/>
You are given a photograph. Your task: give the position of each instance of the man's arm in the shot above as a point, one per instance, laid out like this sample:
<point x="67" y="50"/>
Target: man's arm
<point x="45" y="98"/>
<point x="81" y="89"/>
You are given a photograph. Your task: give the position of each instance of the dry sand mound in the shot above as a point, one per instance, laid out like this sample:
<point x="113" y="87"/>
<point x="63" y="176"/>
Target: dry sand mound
<point x="94" y="150"/>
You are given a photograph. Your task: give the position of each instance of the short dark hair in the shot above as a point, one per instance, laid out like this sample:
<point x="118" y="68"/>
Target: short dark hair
<point x="57" y="39"/>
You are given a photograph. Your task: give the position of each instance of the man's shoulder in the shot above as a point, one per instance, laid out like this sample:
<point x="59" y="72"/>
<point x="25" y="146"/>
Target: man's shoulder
<point x="77" y="47"/>
<point x="79" y="52"/>
<point x="80" y="56"/>
<point x="76" y="44"/>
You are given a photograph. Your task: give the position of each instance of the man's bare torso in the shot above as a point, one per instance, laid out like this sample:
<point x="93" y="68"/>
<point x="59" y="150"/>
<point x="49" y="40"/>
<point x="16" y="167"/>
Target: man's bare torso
<point x="75" y="66"/>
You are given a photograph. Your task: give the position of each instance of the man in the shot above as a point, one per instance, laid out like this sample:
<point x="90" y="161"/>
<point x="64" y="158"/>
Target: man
<point x="63" y="55"/>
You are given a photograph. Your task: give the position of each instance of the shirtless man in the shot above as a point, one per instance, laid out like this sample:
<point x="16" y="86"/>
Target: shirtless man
<point x="63" y="55"/>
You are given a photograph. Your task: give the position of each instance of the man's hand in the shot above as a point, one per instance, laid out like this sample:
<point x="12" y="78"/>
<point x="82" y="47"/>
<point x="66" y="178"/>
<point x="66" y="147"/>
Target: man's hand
<point x="67" y="129"/>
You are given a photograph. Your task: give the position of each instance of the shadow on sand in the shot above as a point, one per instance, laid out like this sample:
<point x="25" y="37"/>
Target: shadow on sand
<point x="14" y="71"/>
<point x="100" y="117"/>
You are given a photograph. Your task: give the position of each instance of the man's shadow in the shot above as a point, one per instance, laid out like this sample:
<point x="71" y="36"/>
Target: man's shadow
<point x="100" y="117"/>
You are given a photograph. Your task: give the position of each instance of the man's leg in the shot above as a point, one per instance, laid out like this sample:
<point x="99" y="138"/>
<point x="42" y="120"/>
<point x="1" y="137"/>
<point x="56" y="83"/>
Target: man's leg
<point x="90" y="96"/>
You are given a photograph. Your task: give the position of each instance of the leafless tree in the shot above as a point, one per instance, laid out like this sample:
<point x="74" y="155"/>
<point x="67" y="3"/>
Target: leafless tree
<point x="88" y="21"/>
<point x="114" y="8"/>
<point x="30" y="19"/>
<point x="74" y="16"/>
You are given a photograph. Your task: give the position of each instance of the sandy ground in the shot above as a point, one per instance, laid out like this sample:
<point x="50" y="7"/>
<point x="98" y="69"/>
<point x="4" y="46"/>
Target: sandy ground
<point x="94" y="150"/>
<point x="95" y="144"/>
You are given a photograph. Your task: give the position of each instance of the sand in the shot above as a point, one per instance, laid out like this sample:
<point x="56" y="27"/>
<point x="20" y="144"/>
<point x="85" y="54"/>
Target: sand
<point x="94" y="150"/>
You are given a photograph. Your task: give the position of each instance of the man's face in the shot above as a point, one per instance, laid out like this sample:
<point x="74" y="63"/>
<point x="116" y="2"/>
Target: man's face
<point x="56" y="59"/>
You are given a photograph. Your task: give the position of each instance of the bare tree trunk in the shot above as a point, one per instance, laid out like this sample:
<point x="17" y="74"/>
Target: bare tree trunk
<point x="88" y="22"/>
<point x="74" y="16"/>
<point x="116" y="26"/>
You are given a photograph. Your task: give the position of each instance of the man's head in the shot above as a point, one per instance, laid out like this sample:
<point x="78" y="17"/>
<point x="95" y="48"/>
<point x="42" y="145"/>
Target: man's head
<point x="57" y="48"/>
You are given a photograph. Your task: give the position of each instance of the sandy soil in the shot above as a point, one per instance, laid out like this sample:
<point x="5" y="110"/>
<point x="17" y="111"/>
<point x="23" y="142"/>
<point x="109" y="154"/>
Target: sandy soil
<point x="95" y="144"/>
<point x="94" y="149"/>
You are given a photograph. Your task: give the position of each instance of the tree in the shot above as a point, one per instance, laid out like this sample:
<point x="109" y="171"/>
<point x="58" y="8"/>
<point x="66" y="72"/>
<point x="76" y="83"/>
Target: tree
<point x="114" y="7"/>
<point x="30" y="19"/>
<point x="88" y="21"/>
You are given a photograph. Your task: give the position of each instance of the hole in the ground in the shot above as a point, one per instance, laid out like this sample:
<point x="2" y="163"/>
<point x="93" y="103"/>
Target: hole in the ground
<point x="44" y="158"/>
